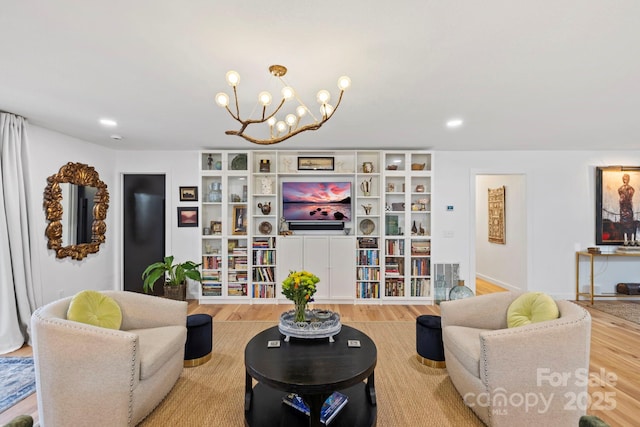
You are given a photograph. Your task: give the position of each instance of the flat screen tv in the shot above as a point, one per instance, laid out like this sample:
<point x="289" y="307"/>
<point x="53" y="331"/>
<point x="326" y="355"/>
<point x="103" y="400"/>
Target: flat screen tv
<point x="316" y="201"/>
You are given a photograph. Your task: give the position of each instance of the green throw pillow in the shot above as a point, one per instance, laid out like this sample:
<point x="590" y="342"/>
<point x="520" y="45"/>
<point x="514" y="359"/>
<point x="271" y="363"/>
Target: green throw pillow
<point x="96" y="309"/>
<point x="531" y="307"/>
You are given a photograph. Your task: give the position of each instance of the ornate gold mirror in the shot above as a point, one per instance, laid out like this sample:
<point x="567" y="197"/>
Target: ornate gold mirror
<point x="75" y="198"/>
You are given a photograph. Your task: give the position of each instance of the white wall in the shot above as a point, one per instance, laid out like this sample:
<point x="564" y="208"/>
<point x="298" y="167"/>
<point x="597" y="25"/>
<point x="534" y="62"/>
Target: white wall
<point x="53" y="277"/>
<point x="502" y="264"/>
<point x="560" y="208"/>
<point x="560" y="204"/>
<point x="180" y="168"/>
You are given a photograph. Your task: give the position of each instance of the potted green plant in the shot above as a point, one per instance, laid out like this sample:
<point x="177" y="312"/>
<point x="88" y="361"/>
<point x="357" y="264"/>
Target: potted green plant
<point x="175" y="277"/>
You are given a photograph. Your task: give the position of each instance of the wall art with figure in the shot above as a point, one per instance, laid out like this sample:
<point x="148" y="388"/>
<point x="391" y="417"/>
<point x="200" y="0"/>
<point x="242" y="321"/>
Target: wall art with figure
<point x="617" y="205"/>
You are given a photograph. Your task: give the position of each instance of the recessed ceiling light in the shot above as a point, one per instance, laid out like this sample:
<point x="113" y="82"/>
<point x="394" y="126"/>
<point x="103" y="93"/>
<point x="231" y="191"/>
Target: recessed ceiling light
<point x="454" y="123"/>
<point x="108" y="122"/>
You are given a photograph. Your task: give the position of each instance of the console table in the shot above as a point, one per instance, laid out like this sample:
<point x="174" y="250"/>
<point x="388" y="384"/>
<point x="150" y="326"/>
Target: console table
<point x="590" y="257"/>
<point x="312" y="368"/>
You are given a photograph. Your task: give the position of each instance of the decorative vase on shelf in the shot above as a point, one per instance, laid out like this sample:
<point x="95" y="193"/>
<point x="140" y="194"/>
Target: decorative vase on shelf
<point x="414" y="229"/>
<point x="460" y="291"/>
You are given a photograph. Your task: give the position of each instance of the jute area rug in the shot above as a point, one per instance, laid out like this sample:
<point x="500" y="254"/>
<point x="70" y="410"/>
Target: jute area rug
<point x="408" y="393"/>
<point x="623" y="309"/>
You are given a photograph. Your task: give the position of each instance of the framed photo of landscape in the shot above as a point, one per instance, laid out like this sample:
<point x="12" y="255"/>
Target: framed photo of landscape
<point x="188" y="194"/>
<point x="188" y="217"/>
<point x="617" y="205"/>
<point x="315" y="163"/>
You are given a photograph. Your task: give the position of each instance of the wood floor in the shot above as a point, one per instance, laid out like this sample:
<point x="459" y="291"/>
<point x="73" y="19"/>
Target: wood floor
<point x="614" y="367"/>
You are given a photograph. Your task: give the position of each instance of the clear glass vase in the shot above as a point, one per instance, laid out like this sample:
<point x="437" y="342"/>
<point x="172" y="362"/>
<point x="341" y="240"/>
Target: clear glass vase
<point x="301" y="308"/>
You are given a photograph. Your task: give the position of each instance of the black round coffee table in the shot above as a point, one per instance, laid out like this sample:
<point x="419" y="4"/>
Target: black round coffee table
<point x="312" y="368"/>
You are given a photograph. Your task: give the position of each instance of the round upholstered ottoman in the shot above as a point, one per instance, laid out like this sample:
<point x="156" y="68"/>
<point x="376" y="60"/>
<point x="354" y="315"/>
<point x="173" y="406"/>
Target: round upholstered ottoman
<point x="429" y="341"/>
<point x="197" y="349"/>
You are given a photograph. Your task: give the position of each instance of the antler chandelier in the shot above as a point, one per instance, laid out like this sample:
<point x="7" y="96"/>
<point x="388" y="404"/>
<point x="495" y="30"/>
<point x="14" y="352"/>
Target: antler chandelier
<point x="280" y="130"/>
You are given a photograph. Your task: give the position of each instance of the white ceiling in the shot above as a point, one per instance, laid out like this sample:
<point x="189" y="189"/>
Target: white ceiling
<point x="523" y="74"/>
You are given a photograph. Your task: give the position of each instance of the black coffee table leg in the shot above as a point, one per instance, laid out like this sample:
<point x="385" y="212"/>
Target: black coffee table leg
<point x="315" y="402"/>
<point x="371" y="389"/>
<point x="248" y="391"/>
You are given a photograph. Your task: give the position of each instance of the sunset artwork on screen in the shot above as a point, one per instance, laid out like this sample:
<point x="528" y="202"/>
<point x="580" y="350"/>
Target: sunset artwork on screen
<point x="316" y="201"/>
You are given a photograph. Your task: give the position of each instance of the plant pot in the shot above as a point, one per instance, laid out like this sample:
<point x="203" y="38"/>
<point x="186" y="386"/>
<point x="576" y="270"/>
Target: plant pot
<point x="178" y="292"/>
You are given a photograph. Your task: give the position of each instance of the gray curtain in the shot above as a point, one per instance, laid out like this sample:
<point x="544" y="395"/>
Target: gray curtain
<point x="17" y="300"/>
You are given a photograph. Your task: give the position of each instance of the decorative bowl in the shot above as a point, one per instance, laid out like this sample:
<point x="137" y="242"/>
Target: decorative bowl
<point x="417" y="166"/>
<point x="392" y="167"/>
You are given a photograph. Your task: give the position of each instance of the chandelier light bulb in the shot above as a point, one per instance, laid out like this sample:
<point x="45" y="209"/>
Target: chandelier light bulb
<point x="233" y="78"/>
<point x="287" y="92"/>
<point x="271" y="121"/>
<point x="291" y="119"/>
<point x="301" y="111"/>
<point x="344" y="83"/>
<point x="323" y="96"/>
<point x="281" y="126"/>
<point x="222" y="99"/>
<point x="264" y="98"/>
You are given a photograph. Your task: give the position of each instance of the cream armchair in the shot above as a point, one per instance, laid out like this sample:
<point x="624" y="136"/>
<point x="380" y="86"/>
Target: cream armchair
<point x="92" y="376"/>
<point x="531" y="375"/>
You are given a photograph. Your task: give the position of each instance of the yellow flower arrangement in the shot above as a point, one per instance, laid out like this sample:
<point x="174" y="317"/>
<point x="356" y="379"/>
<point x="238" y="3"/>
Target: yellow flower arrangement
<point x="299" y="287"/>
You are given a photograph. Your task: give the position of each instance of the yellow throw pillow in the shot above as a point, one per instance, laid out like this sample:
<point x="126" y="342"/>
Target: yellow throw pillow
<point x="96" y="309"/>
<point x="531" y="307"/>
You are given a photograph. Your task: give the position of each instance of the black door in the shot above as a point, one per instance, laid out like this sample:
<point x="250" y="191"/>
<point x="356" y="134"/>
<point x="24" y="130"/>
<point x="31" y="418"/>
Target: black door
<point x="143" y="228"/>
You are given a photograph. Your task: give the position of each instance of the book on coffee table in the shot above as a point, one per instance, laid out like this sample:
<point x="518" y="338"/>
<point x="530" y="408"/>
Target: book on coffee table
<point x="330" y="407"/>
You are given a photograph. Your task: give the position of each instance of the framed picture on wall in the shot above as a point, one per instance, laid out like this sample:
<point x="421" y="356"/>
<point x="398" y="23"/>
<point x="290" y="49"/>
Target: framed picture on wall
<point x="188" y="217"/>
<point x="496" y="215"/>
<point x="315" y="163"/>
<point x="617" y="206"/>
<point x="188" y="194"/>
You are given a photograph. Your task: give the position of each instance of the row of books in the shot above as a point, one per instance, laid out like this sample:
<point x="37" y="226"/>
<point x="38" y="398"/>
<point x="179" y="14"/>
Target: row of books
<point x="264" y="291"/>
<point x="330" y="408"/>
<point x="367" y="242"/>
<point x="211" y="262"/>
<point x="368" y="257"/>
<point x="420" y="287"/>
<point x="237" y="276"/>
<point x="368" y="290"/>
<point x="420" y="267"/>
<point x="236" y="289"/>
<point x="394" y="288"/>
<point x="237" y="263"/>
<point x="262" y="257"/>
<point x="263" y="274"/>
<point x="395" y="247"/>
<point x="368" y="273"/>
<point x="267" y="243"/>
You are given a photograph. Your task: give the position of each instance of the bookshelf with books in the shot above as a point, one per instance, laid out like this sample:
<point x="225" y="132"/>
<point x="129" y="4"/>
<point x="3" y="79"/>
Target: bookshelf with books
<point x="237" y="268"/>
<point x="407" y="225"/>
<point x="263" y="267"/>
<point x="367" y="268"/>
<point x="240" y="221"/>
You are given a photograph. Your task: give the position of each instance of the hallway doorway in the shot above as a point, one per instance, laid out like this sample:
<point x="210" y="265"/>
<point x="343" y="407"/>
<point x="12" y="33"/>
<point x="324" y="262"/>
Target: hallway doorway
<point x="143" y="227"/>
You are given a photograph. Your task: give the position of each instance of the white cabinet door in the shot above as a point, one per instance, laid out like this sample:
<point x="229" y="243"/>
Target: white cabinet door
<point x="290" y="249"/>
<point x="342" y="253"/>
<point x="316" y="261"/>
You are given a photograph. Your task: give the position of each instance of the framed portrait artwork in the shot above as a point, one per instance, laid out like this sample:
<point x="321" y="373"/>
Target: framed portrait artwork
<point x="496" y="215"/>
<point x="239" y="223"/>
<point x="617" y="205"/>
<point x="188" y="217"/>
<point x="188" y="194"/>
